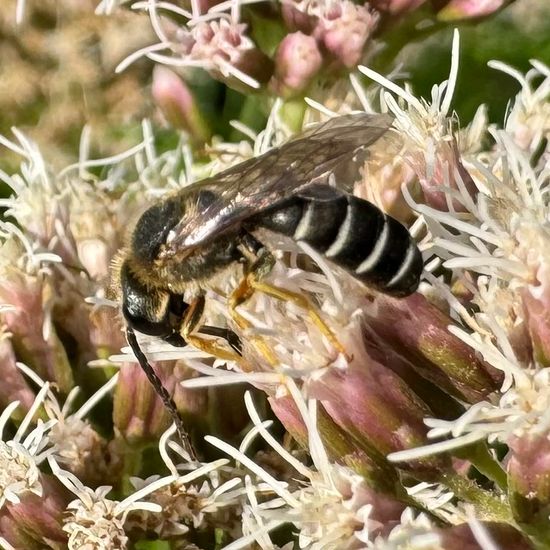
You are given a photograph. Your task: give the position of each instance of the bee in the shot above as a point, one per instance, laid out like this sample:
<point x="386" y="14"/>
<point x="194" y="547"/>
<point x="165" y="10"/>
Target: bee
<point x="184" y="240"/>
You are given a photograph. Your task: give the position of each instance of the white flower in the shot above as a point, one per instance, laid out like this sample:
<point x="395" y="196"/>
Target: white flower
<point x="489" y="229"/>
<point x="439" y="501"/>
<point x="522" y="408"/>
<point x="76" y="445"/>
<point x="414" y="532"/>
<point x="330" y="508"/>
<point x="195" y="499"/>
<point x="528" y="120"/>
<point x="21" y="456"/>
<point x="216" y="42"/>
<point x="96" y="522"/>
<point x="5" y="545"/>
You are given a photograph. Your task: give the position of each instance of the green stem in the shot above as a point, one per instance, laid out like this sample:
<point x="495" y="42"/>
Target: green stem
<point x="488" y="507"/>
<point x="292" y="112"/>
<point x="478" y="454"/>
<point x="132" y="465"/>
<point x="532" y="516"/>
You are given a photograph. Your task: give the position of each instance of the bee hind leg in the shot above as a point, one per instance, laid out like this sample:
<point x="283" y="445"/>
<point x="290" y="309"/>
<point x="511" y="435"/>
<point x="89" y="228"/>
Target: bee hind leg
<point x="253" y="282"/>
<point x="191" y="321"/>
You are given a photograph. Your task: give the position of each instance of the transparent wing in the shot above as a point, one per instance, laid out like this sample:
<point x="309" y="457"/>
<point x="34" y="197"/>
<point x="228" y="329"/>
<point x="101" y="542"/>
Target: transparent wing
<point x="262" y="182"/>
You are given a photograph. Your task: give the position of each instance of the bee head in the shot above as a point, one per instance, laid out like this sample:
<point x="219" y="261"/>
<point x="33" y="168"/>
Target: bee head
<point x="151" y="311"/>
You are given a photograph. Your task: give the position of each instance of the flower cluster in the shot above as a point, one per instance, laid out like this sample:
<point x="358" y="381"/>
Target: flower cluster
<point x="291" y="49"/>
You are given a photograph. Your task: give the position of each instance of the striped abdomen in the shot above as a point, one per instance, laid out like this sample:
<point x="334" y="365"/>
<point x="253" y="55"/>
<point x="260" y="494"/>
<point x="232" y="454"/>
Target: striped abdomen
<point x="353" y="233"/>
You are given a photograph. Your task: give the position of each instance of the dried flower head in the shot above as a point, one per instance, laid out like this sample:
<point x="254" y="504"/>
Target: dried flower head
<point x="96" y="522"/>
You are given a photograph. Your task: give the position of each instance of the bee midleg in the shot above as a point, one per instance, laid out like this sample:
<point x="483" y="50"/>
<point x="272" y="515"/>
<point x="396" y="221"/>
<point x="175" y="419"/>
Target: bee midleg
<point x="353" y="234"/>
<point x="191" y="321"/>
<point x="253" y="282"/>
<point x="243" y="292"/>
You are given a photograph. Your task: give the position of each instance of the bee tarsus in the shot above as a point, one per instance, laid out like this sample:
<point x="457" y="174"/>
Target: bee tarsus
<point x="226" y="334"/>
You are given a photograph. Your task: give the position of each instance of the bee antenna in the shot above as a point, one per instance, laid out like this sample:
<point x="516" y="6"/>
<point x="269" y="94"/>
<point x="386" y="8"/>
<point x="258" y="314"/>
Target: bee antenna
<point x="161" y="391"/>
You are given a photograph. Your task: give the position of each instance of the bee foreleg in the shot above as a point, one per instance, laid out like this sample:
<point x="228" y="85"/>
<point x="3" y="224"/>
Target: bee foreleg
<point x="228" y="335"/>
<point x="191" y="321"/>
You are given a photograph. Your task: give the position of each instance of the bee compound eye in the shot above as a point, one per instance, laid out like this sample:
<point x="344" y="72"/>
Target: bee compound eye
<point x="144" y="310"/>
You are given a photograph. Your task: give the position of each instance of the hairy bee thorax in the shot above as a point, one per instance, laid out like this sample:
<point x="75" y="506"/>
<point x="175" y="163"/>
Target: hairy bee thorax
<point x="153" y="227"/>
<point x="150" y="235"/>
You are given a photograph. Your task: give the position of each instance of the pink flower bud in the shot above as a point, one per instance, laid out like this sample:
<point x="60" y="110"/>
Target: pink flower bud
<point x="439" y="169"/>
<point x="13" y="387"/>
<point x="33" y="336"/>
<point x="178" y="104"/>
<point x="106" y="336"/>
<point x="372" y="404"/>
<point x="205" y="5"/>
<point x="396" y="7"/>
<point x="37" y="519"/>
<point x="536" y="304"/>
<point x="287" y="412"/>
<point x="361" y="457"/>
<point x="297" y="61"/>
<point x="468" y="9"/>
<point x="461" y="537"/>
<point x="529" y="476"/>
<point x="344" y="29"/>
<point x="297" y="17"/>
<point x="435" y="353"/>
<point x="72" y="316"/>
<point x="139" y="413"/>
<point x="226" y="52"/>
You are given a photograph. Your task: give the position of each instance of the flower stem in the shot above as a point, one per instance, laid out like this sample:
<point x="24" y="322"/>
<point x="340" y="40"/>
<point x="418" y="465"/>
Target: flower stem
<point x="292" y="112"/>
<point x="480" y="457"/>
<point x="133" y="461"/>
<point x="488" y="506"/>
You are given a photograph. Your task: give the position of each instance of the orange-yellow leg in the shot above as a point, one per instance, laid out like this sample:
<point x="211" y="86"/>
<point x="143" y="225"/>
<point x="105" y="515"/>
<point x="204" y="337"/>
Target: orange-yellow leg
<point x="252" y="283"/>
<point x="242" y="293"/>
<point x="301" y="301"/>
<point x="190" y="322"/>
